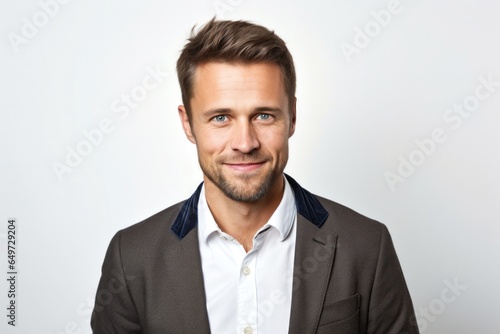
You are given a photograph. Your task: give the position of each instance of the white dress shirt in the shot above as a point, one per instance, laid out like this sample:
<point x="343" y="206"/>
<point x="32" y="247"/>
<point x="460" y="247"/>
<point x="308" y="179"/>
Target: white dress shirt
<point x="249" y="293"/>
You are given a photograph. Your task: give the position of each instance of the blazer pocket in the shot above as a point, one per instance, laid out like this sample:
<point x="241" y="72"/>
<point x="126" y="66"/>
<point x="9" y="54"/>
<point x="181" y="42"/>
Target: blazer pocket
<point x="345" y="326"/>
<point x="341" y="310"/>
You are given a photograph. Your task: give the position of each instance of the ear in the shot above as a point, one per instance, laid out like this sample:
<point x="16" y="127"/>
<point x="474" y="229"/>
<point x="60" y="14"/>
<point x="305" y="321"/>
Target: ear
<point x="186" y="126"/>
<point x="293" y="117"/>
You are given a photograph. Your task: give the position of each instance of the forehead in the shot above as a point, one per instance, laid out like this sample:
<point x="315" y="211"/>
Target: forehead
<point x="210" y="77"/>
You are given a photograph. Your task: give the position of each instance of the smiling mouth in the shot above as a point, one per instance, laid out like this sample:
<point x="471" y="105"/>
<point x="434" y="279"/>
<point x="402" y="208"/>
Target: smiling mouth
<point x="244" y="166"/>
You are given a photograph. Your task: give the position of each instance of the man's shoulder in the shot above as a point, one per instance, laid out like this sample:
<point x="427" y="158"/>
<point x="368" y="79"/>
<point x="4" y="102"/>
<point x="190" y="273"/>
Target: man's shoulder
<point x="358" y="237"/>
<point x="148" y="249"/>
<point x="343" y="220"/>
<point x="152" y="228"/>
<point x="330" y="215"/>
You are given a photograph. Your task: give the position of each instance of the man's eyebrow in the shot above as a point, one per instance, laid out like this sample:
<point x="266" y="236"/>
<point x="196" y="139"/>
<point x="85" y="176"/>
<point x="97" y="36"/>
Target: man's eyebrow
<point x="268" y="109"/>
<point x="215" y="111"/>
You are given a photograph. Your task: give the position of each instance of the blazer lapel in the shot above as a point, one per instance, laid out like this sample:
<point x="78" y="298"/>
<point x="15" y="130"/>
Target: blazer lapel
<point x="190" y="297"/>
<point x="314" y="254"/>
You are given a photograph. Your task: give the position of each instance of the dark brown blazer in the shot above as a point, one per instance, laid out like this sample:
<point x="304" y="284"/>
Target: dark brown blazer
<point x="347" y="277"/>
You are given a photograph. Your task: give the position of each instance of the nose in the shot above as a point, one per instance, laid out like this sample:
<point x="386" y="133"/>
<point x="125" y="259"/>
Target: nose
<point x="244" y="137"/>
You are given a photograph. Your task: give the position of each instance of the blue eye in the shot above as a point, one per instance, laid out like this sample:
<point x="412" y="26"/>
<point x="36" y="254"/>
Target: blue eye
<point x="264" y="116"/>
<point x="220" y="118"/>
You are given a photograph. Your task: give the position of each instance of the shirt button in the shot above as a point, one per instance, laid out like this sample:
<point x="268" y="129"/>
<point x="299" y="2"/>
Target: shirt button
<point x="247" y="271"/>
<point x="247" y="330"/>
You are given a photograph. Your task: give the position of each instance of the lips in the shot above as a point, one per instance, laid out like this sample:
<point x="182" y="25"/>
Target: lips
<point x="244" y="166"/>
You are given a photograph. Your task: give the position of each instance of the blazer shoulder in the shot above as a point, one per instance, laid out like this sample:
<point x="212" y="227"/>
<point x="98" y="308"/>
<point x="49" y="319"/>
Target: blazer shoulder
<point x="343" y="220"/>
<point x="149" y="232"/>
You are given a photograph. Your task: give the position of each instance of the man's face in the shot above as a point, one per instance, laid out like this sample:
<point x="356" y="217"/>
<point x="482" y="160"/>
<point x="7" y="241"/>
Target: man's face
<point x="240" y="122"/>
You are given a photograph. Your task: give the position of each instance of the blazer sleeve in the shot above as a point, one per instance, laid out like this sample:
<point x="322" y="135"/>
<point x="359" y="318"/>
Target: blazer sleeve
<point x="114" y="310"/>
<point x="390" y="307"/>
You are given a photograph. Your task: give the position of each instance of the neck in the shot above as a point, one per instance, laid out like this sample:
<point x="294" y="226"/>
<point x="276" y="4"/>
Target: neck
<point x="242" y="220"/>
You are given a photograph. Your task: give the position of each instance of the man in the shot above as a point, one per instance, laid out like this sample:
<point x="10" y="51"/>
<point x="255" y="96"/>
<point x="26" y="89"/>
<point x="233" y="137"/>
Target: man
<point x="251" y="251"/>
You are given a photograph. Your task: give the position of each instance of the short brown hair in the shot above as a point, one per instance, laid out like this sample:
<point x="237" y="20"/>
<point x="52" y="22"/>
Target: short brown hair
<point x="233" y="41"/>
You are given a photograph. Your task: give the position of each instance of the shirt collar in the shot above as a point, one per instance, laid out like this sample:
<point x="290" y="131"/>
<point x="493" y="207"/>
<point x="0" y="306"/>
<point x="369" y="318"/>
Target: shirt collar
<point x="284" y="216"/>
<point x="208" y="226"/>
<point x="282" y="219"/>
<point x="307" y="205"/>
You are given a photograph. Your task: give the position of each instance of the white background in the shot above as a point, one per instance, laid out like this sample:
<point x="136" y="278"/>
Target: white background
<point x="357" y="117"/>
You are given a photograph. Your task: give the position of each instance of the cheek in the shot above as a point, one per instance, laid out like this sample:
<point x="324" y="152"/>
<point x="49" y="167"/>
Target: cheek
<point x="277" y="140"/>
<point x="210" y="142"/>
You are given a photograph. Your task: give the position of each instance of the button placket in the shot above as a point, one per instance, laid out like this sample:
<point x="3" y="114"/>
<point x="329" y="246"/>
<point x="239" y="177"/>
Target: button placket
<point x="247" y="295"/>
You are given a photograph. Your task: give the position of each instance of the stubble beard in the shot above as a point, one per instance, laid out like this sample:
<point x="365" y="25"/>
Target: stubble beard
<point x="246" y="192"/>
